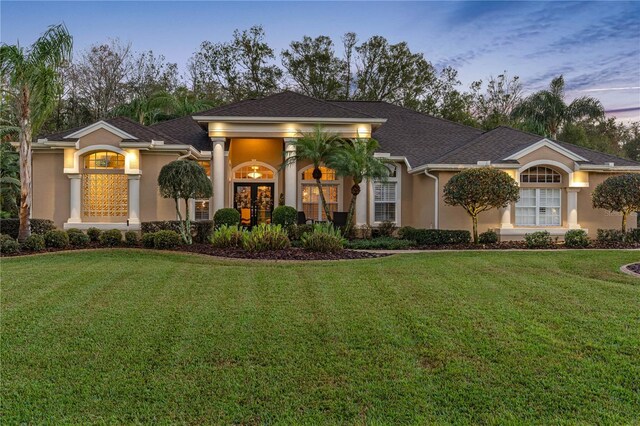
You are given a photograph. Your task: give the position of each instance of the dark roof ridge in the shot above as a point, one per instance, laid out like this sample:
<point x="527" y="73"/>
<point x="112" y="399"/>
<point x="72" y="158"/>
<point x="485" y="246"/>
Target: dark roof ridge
<point x="158" y="132"/>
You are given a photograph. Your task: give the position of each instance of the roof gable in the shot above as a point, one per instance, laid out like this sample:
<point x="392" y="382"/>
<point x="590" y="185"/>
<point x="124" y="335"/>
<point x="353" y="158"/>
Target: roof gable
<point x="549" y="144"/>
<point x="97" y="126"/>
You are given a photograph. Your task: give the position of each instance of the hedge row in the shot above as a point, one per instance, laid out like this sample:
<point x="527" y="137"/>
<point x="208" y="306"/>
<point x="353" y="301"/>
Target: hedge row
<point x="200" y="230"/>
<point x="38" y="226"/>
<point x="434" y="237"/>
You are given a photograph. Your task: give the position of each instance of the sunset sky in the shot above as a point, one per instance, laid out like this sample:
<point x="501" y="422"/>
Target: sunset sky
<point x="596" y="45"/>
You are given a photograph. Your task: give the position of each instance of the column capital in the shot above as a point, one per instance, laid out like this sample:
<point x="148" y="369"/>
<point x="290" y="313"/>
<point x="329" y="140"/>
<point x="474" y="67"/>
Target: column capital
<point x="134" y="177"/>
<point x="74" y="176"/>
<point x="573" y="189"/>
<point x="218" y="140"/>
<point x="290" y="140"/>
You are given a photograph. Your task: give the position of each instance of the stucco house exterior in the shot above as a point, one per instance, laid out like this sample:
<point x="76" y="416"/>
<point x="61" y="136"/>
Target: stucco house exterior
<point x="105" y="174"/>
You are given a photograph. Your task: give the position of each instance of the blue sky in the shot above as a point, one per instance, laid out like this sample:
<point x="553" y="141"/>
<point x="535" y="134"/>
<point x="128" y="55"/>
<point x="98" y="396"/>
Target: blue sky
<point x="596" y="45"/>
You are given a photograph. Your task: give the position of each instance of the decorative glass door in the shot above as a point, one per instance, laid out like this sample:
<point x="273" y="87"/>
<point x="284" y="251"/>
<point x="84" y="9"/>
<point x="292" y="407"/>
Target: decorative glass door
<point x="254" y="201"/>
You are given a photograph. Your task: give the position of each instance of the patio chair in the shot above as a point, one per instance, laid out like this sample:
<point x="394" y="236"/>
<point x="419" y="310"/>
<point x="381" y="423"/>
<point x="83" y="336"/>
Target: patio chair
<point x="302" y="219"/>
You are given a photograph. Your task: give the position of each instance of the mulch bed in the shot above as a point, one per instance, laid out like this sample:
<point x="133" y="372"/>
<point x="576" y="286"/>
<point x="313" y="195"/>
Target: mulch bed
<point x="634" y="268"/>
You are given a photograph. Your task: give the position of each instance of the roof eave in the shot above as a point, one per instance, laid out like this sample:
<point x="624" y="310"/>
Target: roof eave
<point x="236" y="119"/>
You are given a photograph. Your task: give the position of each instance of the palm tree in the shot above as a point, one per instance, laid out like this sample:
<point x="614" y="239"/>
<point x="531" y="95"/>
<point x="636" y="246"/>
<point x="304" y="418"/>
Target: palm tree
<point x="356" y="159"/>
<point x="34" y="85"/>
<point x="317" y="147"/>
<point x="9" y="180"/>
<point x="146" y="110"/>
<point x="546" y="112"/>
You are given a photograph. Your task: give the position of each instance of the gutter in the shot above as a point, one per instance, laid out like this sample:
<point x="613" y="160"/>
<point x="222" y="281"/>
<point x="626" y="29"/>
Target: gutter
<point x="436" y="200"/>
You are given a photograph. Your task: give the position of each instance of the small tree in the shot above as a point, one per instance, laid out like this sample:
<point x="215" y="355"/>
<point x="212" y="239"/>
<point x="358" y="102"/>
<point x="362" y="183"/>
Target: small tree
<point x="481" y="189"/>
<point x="184" y="180"/>
<point x="618" y="194"/>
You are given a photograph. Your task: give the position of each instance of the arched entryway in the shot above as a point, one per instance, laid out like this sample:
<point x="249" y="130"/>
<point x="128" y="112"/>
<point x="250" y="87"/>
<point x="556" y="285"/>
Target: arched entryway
<point x="253" y="188"/>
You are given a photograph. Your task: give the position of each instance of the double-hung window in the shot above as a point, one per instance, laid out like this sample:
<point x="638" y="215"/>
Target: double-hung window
<point x="539" y="206"/>
<point x="385" y="198"/>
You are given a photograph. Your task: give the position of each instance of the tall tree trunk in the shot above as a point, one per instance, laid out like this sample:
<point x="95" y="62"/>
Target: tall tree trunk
<point x="355" y="191"/>
<point x="179" y="214"/>
<point x="25" y="166"/>
<point x="323" y="200"/>
<point x="187" y="224"/>
<point x="624" y="221"/>
<point x="475" y="229"/>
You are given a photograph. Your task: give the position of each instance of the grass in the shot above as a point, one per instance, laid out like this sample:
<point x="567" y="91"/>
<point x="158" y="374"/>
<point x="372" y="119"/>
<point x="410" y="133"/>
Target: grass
<point x="129" y="336"/>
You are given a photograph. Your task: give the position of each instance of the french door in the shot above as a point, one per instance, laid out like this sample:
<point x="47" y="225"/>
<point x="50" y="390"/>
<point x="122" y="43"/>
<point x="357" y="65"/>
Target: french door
<point x="254" y="201"/>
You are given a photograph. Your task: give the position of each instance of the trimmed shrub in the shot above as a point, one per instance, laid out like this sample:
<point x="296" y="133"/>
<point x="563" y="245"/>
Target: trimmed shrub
<point x="285" y="216"/>
<point x="228" y="216"/>
<point x="386" y="229"/>
<point x="77" y="238"/>
<point x="200" y="230"/>
<point x="381" y="243"/>
<point x="8" y="245"/>
<point x="266" y="237"/>
<point x="538" y="239"/>
<point x="633" y="236"/>
<point x="111" y="238"/>
<point x="34" y="242"/>
<point x="489" y="237"/>
<point x="131" y="238"/>
<point x="324" y="238"/>
<point x="38" y="226"/>
<point x="435" y="237"/>
<point x="295" y="232"/>
<point x="610" y="236"/>
<point x="56" y="238"/>
<point x="166" y="240"/>
<point x="148" y="240"/>
<point x="228" y="237"/>
<point x="576" y="238"/>
<point x="94" y="234"/>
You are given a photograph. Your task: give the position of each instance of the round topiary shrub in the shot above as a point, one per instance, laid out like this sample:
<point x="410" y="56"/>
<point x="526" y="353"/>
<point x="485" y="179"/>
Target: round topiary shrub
<point x="538" y="240"/>
<point x="576" y="238"/>
<point x="228" y="216"/>
<point x="131" y="238"/>
<point x="78" y="239"/>
<point x="94" y="234"/>
<point x="148" y="240"/>
<point x="165" y="240"/>
<point x="284" y="215"/>
<point x="34" y="242"/>
<point x="56" y="238"/>
<point x="111" y="238"/>
<point x="8" y="245"/>
<point x="489" y="237"/>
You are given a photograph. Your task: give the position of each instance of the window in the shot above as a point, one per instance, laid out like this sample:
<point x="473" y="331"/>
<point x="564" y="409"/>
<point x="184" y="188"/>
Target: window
<point x="385" y="198"/>
<point x="538" y="174"/>
<point x="310" y="196"/>
<point x="104" y="186"/>
<point x="539" y="207"/>
<point x="202" y="209"/>
<point x="253" y="172"/>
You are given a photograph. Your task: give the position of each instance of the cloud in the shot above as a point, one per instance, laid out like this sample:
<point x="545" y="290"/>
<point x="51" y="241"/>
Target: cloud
<point x="611" y="89"/>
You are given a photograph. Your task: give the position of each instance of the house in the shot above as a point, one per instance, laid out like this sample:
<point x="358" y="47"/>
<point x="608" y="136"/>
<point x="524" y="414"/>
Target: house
<point x="105" y="174"/>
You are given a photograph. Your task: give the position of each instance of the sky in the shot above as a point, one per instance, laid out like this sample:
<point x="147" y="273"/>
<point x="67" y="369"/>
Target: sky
<point x="595" y="45"/>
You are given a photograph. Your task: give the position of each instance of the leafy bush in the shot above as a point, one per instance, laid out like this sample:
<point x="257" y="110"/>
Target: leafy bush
<point x="38" y="226"/>
<point x="489" y="237"/>
<point x="610" y="235"/>
<point x="619" y="193"/>
<point x="166" y="240"/>
<point x="34" y="242"/>
<point x="381" y="243"/>
<point x="111" y="238"/>
<point x="386" y="229"/>
<point x="538" y="239"/>
<point x="8" y="245"/>
<point x="576" y="238"/>
<point x="94" y="234"/>
<point x="434" y="237"/>
<point x="148" y="240"/>
<point x="228" y="237"/>
<point x="200" y="230"/>
<point x="324" y="238"/>
<point x="228" y="216"/>
<point x="285" y="216"/>
<point x="633" y="236"/>
<point x="266" y="237"/>
<point x="56" y="238"/>
<point x="77" y="238"/>
<point x="295" y="232"/>
<point x="131" y="238"/>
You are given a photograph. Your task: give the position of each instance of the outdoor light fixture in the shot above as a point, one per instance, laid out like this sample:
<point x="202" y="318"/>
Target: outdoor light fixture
<point x="254" y="173"/>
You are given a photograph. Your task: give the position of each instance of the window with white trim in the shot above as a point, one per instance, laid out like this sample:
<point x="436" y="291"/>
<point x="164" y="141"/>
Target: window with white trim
<point x="310" y="200"/>
<point x="385" y="197"/>
<point x="539" y="207"/>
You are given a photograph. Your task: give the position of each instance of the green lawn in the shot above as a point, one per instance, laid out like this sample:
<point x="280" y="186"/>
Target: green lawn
<point x="502" y="337"/>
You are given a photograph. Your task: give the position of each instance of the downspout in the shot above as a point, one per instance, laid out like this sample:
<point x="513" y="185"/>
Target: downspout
<point x="436" y="198"/>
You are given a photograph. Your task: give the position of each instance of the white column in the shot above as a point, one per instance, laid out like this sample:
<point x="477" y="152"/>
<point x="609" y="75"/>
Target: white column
<point x="134" y="199"/>
<point x="361" y="203"/>
<point x="218" y="173"/>
<point x="290" y="172"/>
<point x="74" y="196"/>
<point x="505" y="218"/>
<point x="572" y="208"/>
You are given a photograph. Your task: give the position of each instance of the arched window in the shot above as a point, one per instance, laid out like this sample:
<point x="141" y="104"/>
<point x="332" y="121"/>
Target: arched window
<point x="310" y="200"/>
<point x="253" y="171"/>
<point x="539" y="206"/>
<point x="105" y="195"/>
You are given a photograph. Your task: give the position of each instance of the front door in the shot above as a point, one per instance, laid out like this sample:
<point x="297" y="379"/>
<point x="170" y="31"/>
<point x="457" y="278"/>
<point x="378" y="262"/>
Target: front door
<point x="254" y="201"/>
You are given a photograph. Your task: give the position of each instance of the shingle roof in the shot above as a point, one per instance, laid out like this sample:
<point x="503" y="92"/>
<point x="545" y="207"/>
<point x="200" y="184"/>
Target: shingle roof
<point x="419" y="137"/>
<point x="187" y="131"/>
<point x="501" y="142"/>
<point x="143" y="133"/>
<point x="285" y="104"/>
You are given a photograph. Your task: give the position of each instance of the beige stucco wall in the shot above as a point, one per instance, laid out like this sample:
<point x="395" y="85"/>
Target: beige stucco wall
<point x="50" y="187"/>
<point x="99" y="137"/>
<point x="591" y="218"/>
<point x="546" y="154"/>
<point x="418" y="209"/>
<point x="152" y="205"/>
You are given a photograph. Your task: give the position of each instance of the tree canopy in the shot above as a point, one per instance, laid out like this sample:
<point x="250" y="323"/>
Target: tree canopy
<point x="618" y="194"/>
